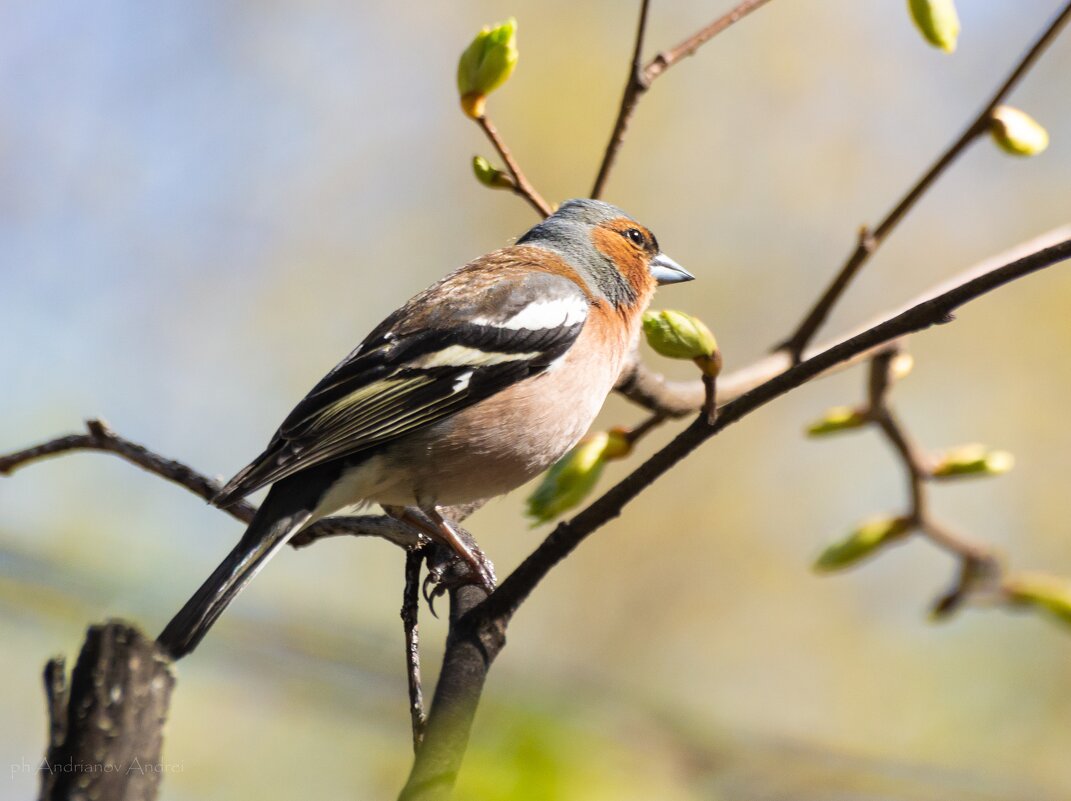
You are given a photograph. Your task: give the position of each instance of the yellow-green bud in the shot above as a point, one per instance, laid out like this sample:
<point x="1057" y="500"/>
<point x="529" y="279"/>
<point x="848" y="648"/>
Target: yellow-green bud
<point x="681" y="336"/>
<point x="573" y="476"/>
<point x="489" y="176"/>
<point x="937" y="20"/>
<point x="486" y="64"/>
<point x="839" y="418"/>
<point x="1040" y="590"/>
<point x="973" y="460"/>
<point x="865" y="540"/>
<point x="1016" y="132"/>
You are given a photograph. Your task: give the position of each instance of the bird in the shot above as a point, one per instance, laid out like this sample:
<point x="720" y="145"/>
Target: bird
<point x="474" y="386"/>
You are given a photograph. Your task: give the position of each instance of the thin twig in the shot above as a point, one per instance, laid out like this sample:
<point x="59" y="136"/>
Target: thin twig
<point x="522" y="186"/>
<point x="638" y="432"/>
<point x="641" y="78"/>
<point x="414" y="558"/>
<point x="100" y="437"/>
<point x="880" y="412"/>
<point x="667" y="58"/>
<point x="977" y="560"/>
<point x="636" y="85"/>
<point x="710" y="398"/>
<point x="870" y="240"/>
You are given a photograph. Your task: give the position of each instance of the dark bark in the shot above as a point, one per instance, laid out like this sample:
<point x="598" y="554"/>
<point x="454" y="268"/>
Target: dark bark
<point x="107" y="723"/>
<point x="471" y="647"/>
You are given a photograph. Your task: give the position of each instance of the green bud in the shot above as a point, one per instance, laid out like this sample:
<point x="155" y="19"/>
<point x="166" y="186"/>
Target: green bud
<point x="839" y="418"/>
<point x="938" y="22"/>
<point x="486" y="64"/>
<point x="678" y="335"/>
<point x="1016" y="132"/>
<point x="489" y="176"/>
<point x="862" y="542"/>
<point x="1042" y="591"/>
<point x="573" y="476"/>
<point x="973" y="460"/>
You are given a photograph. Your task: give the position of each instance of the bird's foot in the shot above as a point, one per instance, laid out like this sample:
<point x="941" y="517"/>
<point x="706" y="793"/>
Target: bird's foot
<point x="449" y="570"/>
<point x="456" y="562"/>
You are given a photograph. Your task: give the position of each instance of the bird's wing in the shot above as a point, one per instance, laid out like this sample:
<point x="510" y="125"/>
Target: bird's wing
<point x="468" y="337"/>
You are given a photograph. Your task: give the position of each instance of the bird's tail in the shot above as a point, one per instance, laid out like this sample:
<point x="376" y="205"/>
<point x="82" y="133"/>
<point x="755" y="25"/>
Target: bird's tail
<point x="269" y="531"/>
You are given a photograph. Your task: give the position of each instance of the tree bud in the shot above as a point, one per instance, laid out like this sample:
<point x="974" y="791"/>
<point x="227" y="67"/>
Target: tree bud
<point x="837" y="419"/>
<point x="573" y="476"/>
<point x="486" y="64"/>
<point x="1040" y="590"/>
<point x="865" y="540"/>
<point x="938" y="22"/>
<point x="680" y="336"/>
<point x="1016" y="132"/>
<point x="973" y="460"/>
<point x="489" y="176"/>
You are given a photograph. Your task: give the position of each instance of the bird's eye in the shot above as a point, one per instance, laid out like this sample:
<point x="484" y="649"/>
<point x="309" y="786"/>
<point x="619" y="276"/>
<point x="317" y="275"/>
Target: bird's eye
<point x="636" y="237"/>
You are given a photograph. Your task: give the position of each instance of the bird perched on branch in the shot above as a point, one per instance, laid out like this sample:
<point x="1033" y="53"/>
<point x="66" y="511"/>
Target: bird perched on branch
<point x="470" y="389"/>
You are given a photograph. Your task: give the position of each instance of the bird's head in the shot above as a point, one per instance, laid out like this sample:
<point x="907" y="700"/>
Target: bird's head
<point x="618" y="257"/>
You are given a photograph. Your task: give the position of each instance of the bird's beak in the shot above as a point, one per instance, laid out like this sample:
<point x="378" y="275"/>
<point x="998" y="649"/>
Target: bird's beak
<point x="666" y="271"/>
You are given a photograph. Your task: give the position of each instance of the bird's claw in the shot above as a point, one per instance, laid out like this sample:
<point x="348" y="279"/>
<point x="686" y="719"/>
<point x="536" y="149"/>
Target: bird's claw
<point x="448" y="570"/>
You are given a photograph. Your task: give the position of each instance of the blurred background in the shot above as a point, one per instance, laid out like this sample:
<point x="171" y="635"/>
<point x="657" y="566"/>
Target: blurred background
<point x="204" y="205"/>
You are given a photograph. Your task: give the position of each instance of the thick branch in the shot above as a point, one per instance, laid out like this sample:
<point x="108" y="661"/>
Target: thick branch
<point x="641" y="77"/>
<point x="470" y="650"/>
<point x="107" y="722"/>
<point x="870" y="239"/>
<point x="479" y="634"/>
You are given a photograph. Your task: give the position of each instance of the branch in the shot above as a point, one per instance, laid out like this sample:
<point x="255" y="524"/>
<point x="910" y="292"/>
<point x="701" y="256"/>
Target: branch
<point x="470" y="649"/>
<point x="410" y="612"/>
<point x="675" y="399"/>
<point x="641" y="77"/>
<point x="871" y="239"/>
<point x="477" y="635"/>
<point x="521" y="185"/>
<point x="107" y="721"/>
<point x="100" y="437"/>
<point x="636" y="85"/>
<point x="977" y="561"/>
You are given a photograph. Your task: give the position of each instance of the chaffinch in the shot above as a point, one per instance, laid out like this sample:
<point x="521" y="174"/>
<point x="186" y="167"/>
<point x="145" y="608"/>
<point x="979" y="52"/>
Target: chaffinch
<point x="473" y="387"/>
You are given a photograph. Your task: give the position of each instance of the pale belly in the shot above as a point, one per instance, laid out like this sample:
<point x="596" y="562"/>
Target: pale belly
<point x="486" y="450"/>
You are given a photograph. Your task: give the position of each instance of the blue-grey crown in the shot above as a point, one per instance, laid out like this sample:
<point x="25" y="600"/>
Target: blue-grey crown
<point x="570" y="214"/>
<point x="567" y="233"/>
<point x="591" y="212"/>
